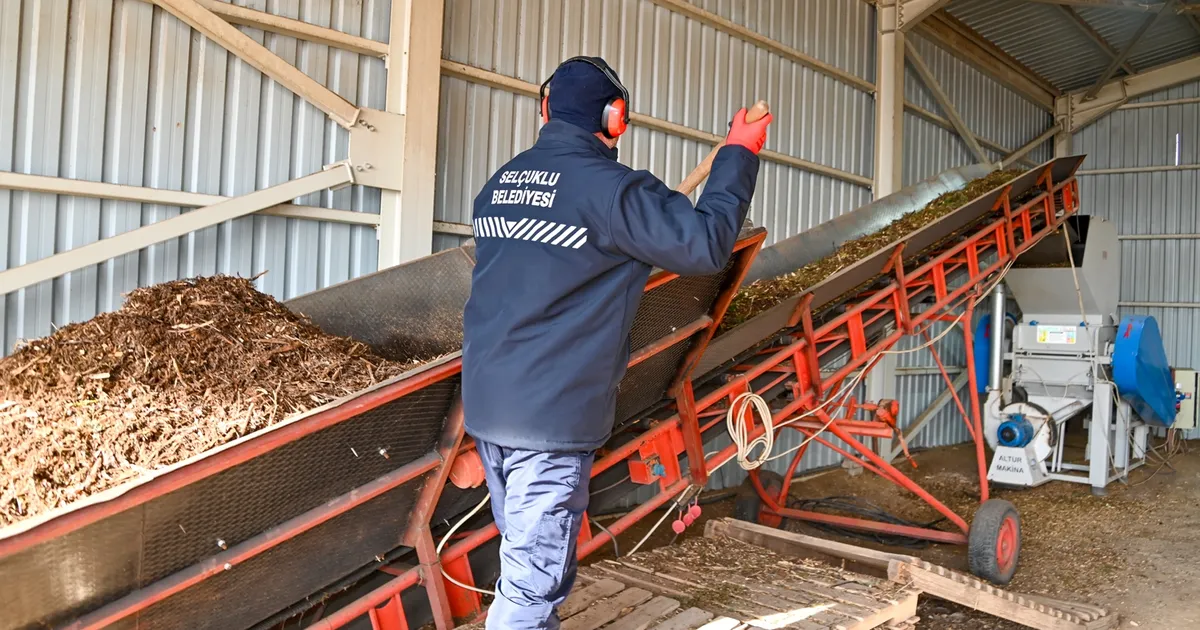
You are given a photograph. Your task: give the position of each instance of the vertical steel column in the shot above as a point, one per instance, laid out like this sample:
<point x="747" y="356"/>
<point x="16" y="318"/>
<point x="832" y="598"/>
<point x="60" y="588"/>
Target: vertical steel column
<point x="413" y="89"/>
<point x="889" y="103"/>
<point x="1099" y="436"/>
<point x="996" y="359"/>
<point x="1064" y="139"/>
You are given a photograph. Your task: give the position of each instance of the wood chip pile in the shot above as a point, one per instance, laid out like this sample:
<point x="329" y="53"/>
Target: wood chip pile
<point x="183" y="367"/>
<point x="761" y="296"/>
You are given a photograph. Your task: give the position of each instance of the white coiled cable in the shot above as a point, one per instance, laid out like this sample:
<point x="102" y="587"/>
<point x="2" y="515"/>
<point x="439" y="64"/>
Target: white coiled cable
<point x="739" y="431"/>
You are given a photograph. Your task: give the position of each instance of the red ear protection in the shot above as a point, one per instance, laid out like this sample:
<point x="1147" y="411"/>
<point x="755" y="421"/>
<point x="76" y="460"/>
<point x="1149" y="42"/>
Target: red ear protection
<point x="614" y="118"/>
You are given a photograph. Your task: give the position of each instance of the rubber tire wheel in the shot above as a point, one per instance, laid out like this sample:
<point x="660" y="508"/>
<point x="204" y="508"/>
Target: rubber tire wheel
<point x="994" y="519"/>
<point x="747" y="504"/>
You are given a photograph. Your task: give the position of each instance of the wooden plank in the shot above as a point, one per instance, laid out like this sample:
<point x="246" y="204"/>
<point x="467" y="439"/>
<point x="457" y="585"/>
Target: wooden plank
<point x="607" y="610"/>
<point x="788" y="596"/>
<point x="851" y="557"/>
<point x="984" y="598"/>
<point x="897" y="613"/>
<point x="581" y="598"/>
<point x="646" y="614"/>
<point x="1104" y="623"/>
<point x="832" y="593"/>
<point x="689" y="619"/>
<point x="766" y="604"/>
<point x="798" y="619"/>
<point x="1087" y="612"/>
<point x="907" y="624"/>
<point x="723" y="623"/>
<point x="673" y="578"/>
<point x="641" y="580"/>
<point x="781" y="598"/>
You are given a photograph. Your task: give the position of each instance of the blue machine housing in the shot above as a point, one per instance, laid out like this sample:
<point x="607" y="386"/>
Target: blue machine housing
<point x="983" y="349"/>
<point x="1141" y="371"/>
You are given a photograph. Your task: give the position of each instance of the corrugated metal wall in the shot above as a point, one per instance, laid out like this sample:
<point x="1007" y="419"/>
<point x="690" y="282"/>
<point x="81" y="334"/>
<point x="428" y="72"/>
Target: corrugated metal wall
<point x="1163" y="203"/>
<point x="118" y="91"/>
<point x="676" y="69"/>
<point x="707" y="76"/>
<point x="121" y="92"/>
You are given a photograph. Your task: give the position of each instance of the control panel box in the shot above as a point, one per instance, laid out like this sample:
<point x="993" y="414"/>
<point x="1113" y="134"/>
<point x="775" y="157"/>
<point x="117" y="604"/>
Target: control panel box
<point x="1185" y="386"/>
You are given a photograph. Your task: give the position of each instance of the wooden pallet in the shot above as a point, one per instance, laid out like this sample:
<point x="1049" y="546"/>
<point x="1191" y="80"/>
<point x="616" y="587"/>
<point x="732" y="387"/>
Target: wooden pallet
<point x="1028" y="610"/>
<point x="730" y="585"/>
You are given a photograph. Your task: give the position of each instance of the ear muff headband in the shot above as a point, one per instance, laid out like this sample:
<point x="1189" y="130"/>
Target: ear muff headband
<point x="615" y="117"/>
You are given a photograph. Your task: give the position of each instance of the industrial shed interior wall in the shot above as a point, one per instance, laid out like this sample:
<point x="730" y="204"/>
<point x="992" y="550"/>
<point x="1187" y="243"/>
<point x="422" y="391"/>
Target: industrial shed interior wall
<point x="1163" y="270"/>
<point x="687" y="72"/>
<point x="119" y="91"/>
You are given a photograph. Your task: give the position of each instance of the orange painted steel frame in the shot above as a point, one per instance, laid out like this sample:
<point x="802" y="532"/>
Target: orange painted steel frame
<point x="1003" y="239"/>
<point x="798" y="364"/>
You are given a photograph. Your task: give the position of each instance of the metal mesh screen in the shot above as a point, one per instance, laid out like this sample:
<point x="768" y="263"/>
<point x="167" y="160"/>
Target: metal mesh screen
<point x="71" y="574"/>
<point x="270" y="582"/>
<point x="81" y="570"/>
<point x="646" y="383"/>
<point x="273" y="487"/>
<point x="674" y="305"/>
<point x="412" y="311"/>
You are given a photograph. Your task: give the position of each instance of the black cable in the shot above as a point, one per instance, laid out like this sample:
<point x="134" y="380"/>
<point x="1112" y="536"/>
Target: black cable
<point x="867" y="510"/>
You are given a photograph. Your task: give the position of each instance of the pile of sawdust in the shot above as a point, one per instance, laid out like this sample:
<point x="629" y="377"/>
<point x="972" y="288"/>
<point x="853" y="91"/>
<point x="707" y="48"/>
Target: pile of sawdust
<point x="761" y="296"/>
<point x="183" y="367"/>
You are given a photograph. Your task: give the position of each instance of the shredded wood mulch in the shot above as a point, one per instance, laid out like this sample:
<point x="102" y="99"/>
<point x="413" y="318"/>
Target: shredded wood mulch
<point x="181" y="368"/>
<point x="759" y="297"/>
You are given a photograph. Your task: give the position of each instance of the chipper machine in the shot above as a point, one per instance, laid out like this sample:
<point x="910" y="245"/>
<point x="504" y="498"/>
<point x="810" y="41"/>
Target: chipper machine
<point x="1073" y="357"/>
<point x="353" y="514"/>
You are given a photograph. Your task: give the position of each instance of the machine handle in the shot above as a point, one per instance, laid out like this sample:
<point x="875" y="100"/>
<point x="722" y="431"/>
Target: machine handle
<point x="700" y="173"/>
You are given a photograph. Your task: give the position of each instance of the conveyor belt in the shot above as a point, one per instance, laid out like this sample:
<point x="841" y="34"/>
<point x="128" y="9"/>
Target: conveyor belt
<point x="807" y="247"/>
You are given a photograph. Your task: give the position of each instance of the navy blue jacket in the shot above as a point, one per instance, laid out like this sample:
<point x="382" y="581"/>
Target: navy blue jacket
<point x="565" y="239"/>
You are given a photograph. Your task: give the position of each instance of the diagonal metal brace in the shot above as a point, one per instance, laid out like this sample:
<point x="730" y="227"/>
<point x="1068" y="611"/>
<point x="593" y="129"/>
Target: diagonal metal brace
<point x="212" y="26"/>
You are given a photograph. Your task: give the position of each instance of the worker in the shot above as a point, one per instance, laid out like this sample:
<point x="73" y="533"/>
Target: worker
<point x="565" y="239"/>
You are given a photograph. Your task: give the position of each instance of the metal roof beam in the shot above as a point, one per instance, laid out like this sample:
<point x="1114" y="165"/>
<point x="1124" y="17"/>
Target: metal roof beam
<point x="1096" y="37"/>
<point x="985" y="56"/>
<point x="1120" y="59"/>
<point x="1143" y="6"/>
<point x="689" y="10"/>
<point x="889" y="103"/>
<point x="910" y="12"/>
<point x="1116" y="93"/>
<point x="1192" y="18"/>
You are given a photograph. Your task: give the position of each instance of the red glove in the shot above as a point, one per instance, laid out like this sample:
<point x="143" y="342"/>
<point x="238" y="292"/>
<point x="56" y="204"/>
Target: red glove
<point x="752" y="135"/>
